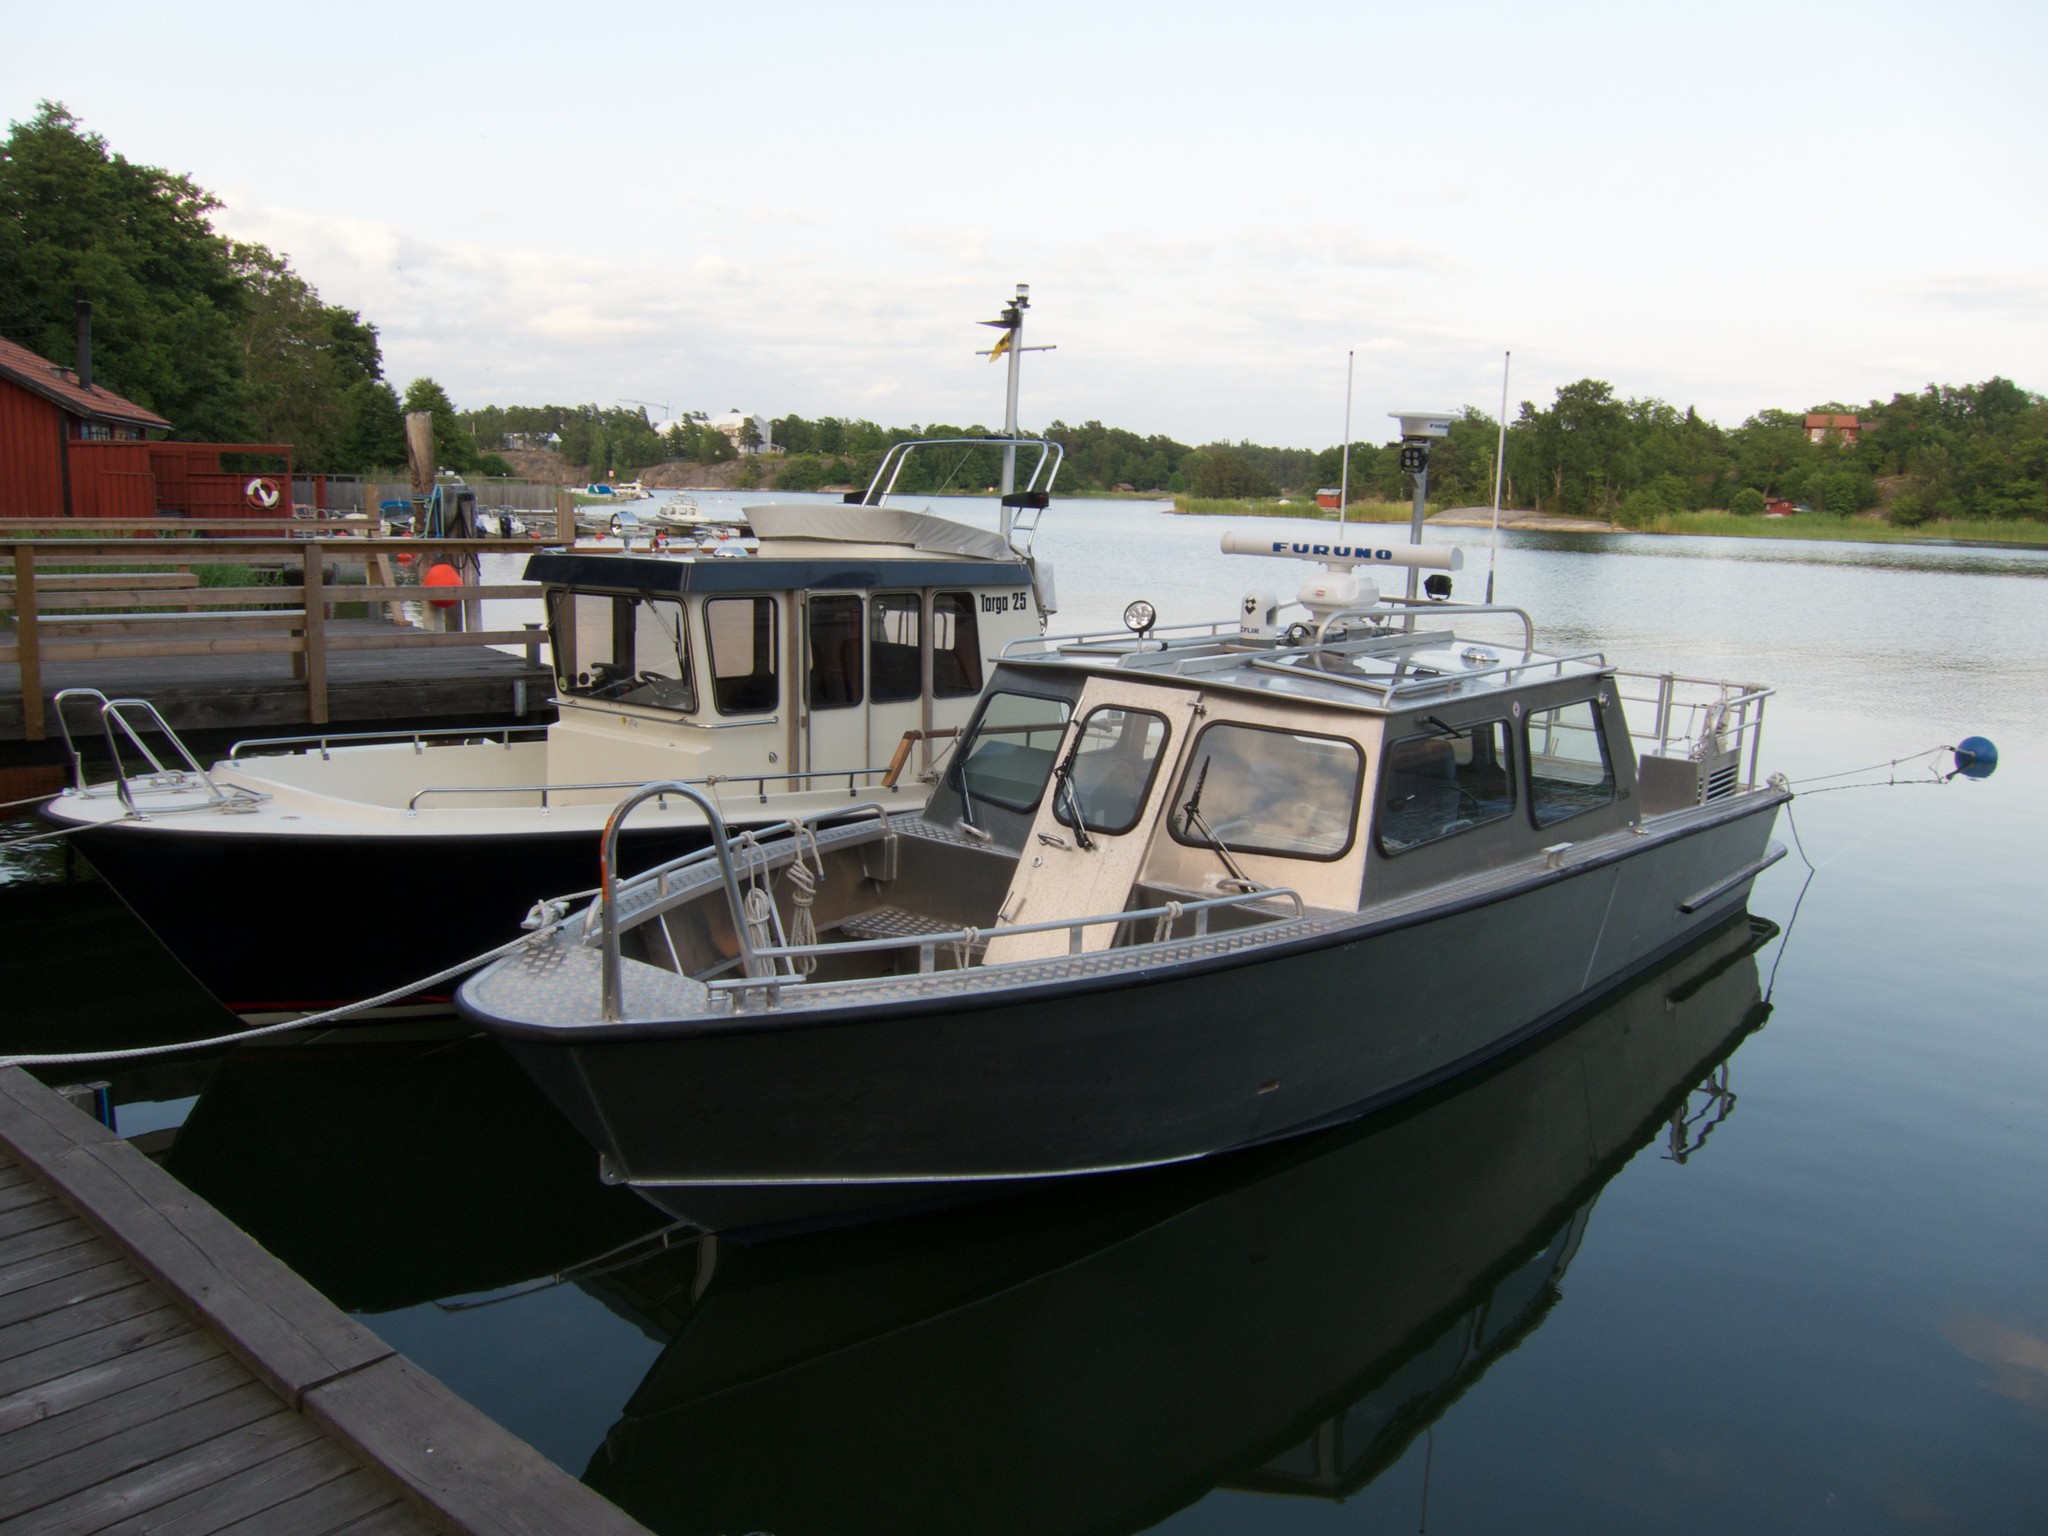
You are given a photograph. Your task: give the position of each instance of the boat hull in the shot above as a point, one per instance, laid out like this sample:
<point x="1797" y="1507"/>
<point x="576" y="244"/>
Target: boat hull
<point x="771" y="1119"/>
<point x="281" y="924"/>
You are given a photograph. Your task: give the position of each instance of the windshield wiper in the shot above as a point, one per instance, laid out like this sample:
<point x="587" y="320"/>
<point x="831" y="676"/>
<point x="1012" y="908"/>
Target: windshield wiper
<point x="1191" y="817"/>
<point x="1063" y="782"/>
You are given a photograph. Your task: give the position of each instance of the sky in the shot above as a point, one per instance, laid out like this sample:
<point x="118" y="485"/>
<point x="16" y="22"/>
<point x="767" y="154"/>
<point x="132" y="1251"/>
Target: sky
<point x="803" y="208"/>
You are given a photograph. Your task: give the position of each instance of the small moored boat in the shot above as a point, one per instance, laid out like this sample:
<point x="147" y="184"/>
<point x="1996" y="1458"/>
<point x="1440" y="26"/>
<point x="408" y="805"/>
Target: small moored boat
<point x="1176" y="892"/>
<point x="798" y="679"/>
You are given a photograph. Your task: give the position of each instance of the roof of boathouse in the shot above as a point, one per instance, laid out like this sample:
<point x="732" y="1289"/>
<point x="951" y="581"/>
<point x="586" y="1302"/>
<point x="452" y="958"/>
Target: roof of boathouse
<point x="60" y="387"/>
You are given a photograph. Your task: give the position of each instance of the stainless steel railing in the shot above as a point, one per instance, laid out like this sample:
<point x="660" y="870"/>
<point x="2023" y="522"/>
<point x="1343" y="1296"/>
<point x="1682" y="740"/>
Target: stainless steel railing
<point x="115" y="723"/>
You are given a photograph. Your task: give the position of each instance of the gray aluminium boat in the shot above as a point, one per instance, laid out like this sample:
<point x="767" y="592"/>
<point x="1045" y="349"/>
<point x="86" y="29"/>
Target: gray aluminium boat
<point x="1176" y="893"/>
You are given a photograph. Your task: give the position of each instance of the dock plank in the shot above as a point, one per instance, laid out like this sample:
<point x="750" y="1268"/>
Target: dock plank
<point x="135" y="1465"/>
<point x="65" y="1291"/>
<point x="21" y="1195"/>
<point x="37" y="1241"/>
<point x="267" y="1496"/>
<point x="55" y="1263"/>
<point x="49" y="1211"/>
<point x="97" y="1378"/>
<point x="281" y="1328"/>
<point x="169" y="1375"/>
<point x="385" y="1522"/>
<point x="147" y="1486"/>
<point x="101" y="1329"/>
<point x="141" y="1402"/>
<point x="453" y="1459"/>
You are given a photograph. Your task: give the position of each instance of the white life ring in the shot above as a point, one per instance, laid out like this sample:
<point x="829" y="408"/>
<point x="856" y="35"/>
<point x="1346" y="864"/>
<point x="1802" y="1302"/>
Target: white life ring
<point x="261" y="493"/>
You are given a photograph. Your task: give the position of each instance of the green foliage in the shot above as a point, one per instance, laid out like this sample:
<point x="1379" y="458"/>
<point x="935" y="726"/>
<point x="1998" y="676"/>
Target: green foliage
<point x="454" y="448"/>
<point x="376" y="429"/>
<point x="1747" y="502"/>
<point x="82" y="222"/>
<point x="1641" y="507"/>
<point x="308" y="367"/>
<point x="224" y="340"/>
<point x="1219" y="472"/>
<point x="1356" y="512"/>
<point x="1841" y="491"/>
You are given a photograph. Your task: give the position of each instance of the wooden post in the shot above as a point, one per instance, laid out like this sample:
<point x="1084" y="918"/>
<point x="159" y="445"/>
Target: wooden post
<point x="316" y="633"/>
<point x="28" y="645"/>
<point x="385" y="574"/>
<point x="565" y="516"/>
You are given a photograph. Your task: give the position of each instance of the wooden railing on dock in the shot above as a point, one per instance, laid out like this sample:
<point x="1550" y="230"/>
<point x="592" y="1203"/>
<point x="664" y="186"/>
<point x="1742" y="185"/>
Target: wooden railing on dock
<point x="126" y="612"/>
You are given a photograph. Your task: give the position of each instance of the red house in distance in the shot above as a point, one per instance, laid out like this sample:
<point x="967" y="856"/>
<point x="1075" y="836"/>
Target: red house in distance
<point x="1819" y="424"/>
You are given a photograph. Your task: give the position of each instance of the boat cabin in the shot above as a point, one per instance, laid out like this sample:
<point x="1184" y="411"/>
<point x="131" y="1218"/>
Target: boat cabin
<point x="850" y="627"/>
<point x="1352" y="774"/>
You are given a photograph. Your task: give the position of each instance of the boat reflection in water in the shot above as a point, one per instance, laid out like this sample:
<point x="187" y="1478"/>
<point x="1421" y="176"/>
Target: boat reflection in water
<point x="1094" y="1358"/>
<point x="389" y="1177"/>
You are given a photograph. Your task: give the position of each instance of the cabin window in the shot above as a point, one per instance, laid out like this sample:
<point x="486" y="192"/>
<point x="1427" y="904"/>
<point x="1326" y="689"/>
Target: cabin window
<point x="1102" y="782"/>
<point x="1569" y="772"/>
<point x="624" y="650"/>
<point x="835" y="652"/>
<point x="1451" y="780"/>
<point x="956" y="646"/>
<point x="743" y="653"/>
<point x="895" y="647"/>
<point x="1011" y="749"/>
<point x="1254" y="789"/>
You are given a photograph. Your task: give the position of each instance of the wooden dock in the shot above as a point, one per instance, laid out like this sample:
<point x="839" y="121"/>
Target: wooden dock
<point x="161" y="1372"/>
<point x="257" y="695"/>
<point x="131" y="617"/>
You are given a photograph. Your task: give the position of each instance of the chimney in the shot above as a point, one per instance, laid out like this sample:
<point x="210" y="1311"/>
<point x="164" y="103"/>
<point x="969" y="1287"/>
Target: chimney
<point x="85" y="343"/>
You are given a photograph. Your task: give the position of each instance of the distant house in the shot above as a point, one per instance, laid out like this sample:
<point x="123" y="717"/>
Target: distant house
<point x="1329" y="498"/>
<point x="733" y="424"/>
<point x="1819" y="424"/>
<point x="70" y="447"/>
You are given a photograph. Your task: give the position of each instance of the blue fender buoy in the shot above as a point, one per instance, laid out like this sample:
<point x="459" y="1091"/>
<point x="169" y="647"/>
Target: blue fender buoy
<point x="1976" y="757"/>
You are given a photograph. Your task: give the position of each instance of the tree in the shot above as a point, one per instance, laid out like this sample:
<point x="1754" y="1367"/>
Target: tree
<point x="301" y="361"/>
<point x="453" y="446"/>
<point x="1747" y="502"/>
<point x="82" y="222"/>
<point x="375" y="435"/>
<point x="1220" y="471"/>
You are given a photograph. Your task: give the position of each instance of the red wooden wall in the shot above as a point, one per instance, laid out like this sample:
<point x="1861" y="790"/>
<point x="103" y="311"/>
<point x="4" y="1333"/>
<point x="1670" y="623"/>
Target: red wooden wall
<point x="31" y="454"/>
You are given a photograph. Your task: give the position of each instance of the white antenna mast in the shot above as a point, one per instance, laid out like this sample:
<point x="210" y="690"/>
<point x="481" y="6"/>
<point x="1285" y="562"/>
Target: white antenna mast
<point x="1344" y="479"/>
<point x="1500" y="464"/>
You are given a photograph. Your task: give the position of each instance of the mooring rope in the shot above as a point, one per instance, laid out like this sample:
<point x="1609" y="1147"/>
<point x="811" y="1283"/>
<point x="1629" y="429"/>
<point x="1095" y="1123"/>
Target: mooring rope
<point x="41" y="837"/>
<point x="1890" y="763"/>
<point x="309" y="1021"/>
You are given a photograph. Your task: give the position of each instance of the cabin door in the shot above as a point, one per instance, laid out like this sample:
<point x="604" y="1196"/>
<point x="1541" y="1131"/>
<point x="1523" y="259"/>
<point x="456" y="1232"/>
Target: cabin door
<point x="834" y="685"/>
<point x="1115" y="769"/>
<point x="899" y="670"/>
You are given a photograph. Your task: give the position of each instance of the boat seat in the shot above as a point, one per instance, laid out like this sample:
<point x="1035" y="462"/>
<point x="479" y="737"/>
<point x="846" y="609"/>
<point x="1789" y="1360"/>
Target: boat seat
<point x="892" y="923"/>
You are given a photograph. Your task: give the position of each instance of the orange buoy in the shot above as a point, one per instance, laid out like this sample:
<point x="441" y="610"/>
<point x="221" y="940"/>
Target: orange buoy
<point x="442" y="575"/>
<point x="405" y="557"/>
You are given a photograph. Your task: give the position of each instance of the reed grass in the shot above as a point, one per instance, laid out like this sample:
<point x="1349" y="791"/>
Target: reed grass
<point x="1848" y="530"/>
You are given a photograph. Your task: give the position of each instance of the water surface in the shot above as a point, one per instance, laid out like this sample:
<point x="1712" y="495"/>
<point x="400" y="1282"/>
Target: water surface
<point x="1757" y="1245"/>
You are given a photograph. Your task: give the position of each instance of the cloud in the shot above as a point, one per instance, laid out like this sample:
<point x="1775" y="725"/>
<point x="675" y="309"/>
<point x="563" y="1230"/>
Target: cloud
<point x="1987" y="293"/>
